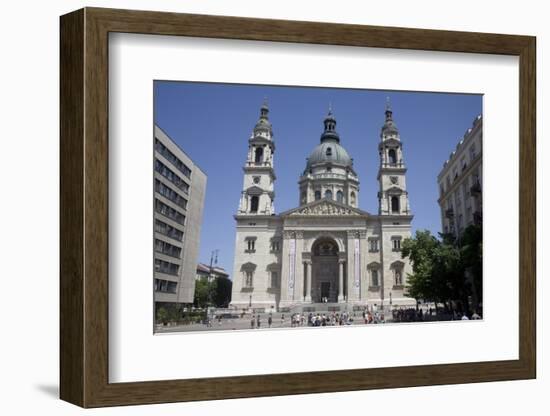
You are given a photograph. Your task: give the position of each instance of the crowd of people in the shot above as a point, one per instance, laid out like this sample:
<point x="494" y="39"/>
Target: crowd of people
<point x="304" y="319"/>
<point x="312" y="319"/>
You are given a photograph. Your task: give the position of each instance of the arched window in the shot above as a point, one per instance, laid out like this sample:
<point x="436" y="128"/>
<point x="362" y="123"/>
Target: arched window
<point x="329" y="151"/>
<point x="394" y="204"/>
<point x="340" y="196"/>
<point x="248" y="270"/>
<point x="392" y="156"/>
<point x="317" y="195"/>
<point x="374" y="277"/>
<point x="398" y="277"/>
<point x="328" y="194"/>
<point x="254" y="202"/>
<point x="259" y="155"/>
<point x="352" y="199"/>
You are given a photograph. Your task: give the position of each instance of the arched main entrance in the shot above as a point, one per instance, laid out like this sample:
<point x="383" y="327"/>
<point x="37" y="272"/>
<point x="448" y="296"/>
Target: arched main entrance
<point x="324" y="271"/>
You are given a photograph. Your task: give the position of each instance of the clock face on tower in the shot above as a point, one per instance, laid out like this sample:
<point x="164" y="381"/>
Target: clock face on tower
<point x="256" y="179"/>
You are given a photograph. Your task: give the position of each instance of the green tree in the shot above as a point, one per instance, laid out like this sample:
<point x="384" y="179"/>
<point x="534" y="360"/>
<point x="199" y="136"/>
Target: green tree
<point x="202" y="293"/>
<point x="471" y="247"/>
<point x="423" y="282"/>
<point x="222" y="292"/>
<point x="440" y="266"/>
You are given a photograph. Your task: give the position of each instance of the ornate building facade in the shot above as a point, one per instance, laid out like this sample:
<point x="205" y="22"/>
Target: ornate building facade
<point x="460" y="183"/>
<point x="326" y="251"/>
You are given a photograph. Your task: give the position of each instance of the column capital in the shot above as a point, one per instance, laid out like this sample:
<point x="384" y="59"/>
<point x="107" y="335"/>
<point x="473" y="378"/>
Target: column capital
<point x="297" y="234"/>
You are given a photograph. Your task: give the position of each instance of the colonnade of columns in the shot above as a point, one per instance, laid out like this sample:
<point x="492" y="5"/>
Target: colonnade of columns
<point x="307" y="279"/>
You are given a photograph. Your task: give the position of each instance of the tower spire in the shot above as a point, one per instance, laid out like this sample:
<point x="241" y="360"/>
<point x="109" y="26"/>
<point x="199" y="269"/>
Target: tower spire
<point x="259" y="175"/>
<point x="393" y="196"/>
<point x="330" y="127"/>
<point x="389" y="111"/>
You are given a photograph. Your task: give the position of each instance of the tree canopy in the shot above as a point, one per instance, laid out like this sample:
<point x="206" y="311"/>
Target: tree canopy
<point x="441" y="267"/>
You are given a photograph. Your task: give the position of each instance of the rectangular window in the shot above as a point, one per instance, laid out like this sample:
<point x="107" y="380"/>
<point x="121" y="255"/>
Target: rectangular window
<point x="171" y="176"/>
<point x="396" y="243"/>
<point x="168" y="230"/>
<point x="162" y="266"/>
<point x="165" y="286"/>
<point x="170" y="194"/>
<point x="250" y="244"/>
<point x="373" y="245"/>
<point x="172" y="158"/>
<point x="167" y="248"/>
<point x="169" y="212"/>
<point x="275" y="245"/>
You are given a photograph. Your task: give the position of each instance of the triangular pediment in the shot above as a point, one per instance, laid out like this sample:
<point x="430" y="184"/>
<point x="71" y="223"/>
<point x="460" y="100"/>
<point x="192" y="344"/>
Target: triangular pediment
<point x="325" y="207"/>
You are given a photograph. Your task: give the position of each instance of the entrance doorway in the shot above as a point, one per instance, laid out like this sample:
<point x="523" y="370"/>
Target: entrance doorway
<point x="324" y="271"/>
<point x="325" y="290"/>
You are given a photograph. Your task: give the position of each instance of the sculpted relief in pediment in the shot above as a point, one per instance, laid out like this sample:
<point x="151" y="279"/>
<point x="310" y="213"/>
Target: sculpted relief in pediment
<point x="325" y="208"/>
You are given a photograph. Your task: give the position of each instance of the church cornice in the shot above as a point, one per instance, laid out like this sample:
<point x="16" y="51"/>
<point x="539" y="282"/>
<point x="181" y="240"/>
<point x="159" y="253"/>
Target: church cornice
<point x="262" y="140"/>
<point x="260" y="169"/>
<point x="391" y="170"/>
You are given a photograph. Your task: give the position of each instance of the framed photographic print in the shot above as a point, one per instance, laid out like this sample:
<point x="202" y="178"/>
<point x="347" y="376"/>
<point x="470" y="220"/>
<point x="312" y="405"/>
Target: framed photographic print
<point x="255" y="207"/>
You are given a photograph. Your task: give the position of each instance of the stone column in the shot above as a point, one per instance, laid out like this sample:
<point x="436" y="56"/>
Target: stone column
<point x="341" y="265"/>
<point x="307" y="271"/>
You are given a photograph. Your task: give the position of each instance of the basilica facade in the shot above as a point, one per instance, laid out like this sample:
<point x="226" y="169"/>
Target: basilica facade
<point x="326" y="251"/>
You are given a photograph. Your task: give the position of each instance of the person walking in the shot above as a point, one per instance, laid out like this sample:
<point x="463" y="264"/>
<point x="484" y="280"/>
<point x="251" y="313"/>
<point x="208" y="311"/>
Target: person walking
<point x="252" y="322"/>
<point x="269" y="320"/>
<point x="258" y="322"/>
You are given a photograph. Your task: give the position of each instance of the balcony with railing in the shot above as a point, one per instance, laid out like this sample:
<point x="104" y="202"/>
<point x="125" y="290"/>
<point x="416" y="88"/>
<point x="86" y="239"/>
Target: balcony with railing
<point x="475" y="189"/>
<point x="478" y="217"/>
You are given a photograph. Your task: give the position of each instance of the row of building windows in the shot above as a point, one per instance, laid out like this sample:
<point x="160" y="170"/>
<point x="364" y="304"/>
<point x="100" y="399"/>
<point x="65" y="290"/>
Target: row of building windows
<point x="329" y="195"/>
<point x="451" y="178"/>
<point x="248" y="279"/>
<point x="168" y="230"/>
<point x="167" y="248"/>
<point x="166" y="267"/>
<point x="276" y="245"/>
<point x="397" y="277"/>
<point x="169" y="212"/>
<point x="172" y="158"/>
<point x="170" y="194"/>
<point x="165" y="286"/>
<point x="171" y="176"/>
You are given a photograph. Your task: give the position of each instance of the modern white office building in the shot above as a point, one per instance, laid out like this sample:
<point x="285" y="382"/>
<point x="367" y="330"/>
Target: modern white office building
<point x="179" y="191"/>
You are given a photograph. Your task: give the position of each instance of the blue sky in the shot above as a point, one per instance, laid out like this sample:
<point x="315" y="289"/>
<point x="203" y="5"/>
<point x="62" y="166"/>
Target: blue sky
<point x="212" y="123"/>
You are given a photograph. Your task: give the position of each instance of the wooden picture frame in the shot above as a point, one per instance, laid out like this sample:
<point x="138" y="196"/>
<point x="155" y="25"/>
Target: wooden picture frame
<point x="84" y="207"/>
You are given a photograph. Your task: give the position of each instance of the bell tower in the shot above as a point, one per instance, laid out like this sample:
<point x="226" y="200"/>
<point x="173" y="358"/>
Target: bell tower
<point x="259" y="175"/>
<point x="393" y="198"/>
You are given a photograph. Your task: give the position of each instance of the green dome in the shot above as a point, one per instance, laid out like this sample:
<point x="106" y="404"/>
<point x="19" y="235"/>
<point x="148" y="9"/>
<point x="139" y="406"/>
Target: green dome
<point x="329" y="152"/>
